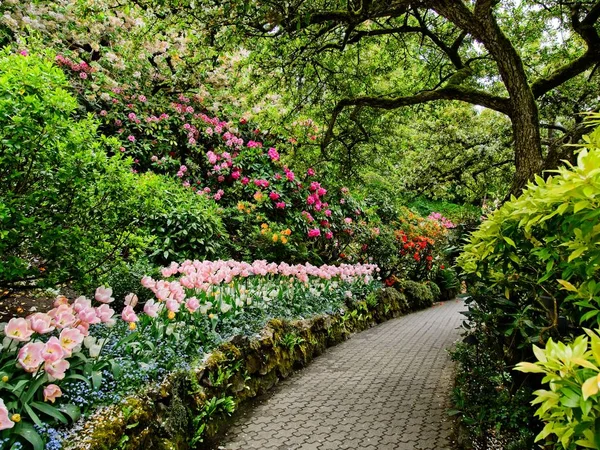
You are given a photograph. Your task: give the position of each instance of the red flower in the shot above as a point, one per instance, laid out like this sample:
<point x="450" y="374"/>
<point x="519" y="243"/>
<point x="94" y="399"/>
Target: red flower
<point x="417" y="256"/>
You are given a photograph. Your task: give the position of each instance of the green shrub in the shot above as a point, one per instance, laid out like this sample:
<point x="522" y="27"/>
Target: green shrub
<point x="436" y="292"/>
<point x="571" y="408"/>
<point x="66" y="209"/>
<point x="448" y="282"/>
<point x="418" y="295"/>
<point x="183" y="225"/>
<point x="532" y="268"/>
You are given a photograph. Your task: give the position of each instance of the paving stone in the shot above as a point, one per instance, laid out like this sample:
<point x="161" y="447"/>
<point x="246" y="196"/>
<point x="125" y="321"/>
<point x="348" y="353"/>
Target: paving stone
<point x="386" y="388"/>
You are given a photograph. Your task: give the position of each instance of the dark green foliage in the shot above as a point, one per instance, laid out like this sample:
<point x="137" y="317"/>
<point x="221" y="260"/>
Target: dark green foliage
<point x="448" y="282"/>
<point x="418" y="295"/>
<point x="182" y="225"/>
<point x="66" y="209"/>
<point x="435" y="290"/>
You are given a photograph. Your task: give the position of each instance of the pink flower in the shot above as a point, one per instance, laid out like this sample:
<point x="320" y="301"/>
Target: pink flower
<point x="315" y="232"/>
<point x="280" y="205"/>
<point x="148" y="282"/>
<point x="24" y="53"/>
<point x="329" y="235"/>
<point x="104" y="295"/>
<point x="348" y="220"/>
<point x="310" y="200"/>
<point x="56" y="370"/>
<point x="328" y="212"/>
<point x="81" y="303"/>
<point x="192" y="304"/>
<point x="274" y="196"/>
<point x="52" y="351"/>
<point x="131" y="138"/>
<point x="88" y="315"/>
<point x="30" y="356"/>
<point x="18" y="329"/>
<point x="83" y="75"/>
<point x="235" y="174"/>
<point x="5" y="422"/>
<point x="129" y="315"/>
<point x="104" y="313"/>
<point x="151" y="308"/>
<point x="40" y="323"/>
<point x="172" y="305"/>
<point x="245" y="180"/>
<point x="64" y="319"/>
<point x="273" y="154"/>
<point x="51" y="393"/>
<point x="69" y="339"/>
<point x="310" y="172"/>
<point x="131" y="300"/>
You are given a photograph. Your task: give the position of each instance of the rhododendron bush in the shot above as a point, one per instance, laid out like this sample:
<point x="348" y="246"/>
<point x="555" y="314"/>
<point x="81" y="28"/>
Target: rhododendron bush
<point x="80" y="354"/>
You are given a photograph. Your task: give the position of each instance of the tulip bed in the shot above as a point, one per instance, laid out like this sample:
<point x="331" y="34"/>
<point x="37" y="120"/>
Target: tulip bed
<point x="58" y="365"/>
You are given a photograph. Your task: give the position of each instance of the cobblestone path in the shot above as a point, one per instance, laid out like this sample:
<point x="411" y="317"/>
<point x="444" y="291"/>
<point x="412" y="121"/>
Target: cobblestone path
<point x="385" y="388"/>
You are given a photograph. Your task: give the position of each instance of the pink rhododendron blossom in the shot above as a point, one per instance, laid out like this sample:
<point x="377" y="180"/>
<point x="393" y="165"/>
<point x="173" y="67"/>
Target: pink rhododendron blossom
<point x="5" y="422"/>
<point x="56" y="370"/>
<point x="18" y="329"/>
<point x="328" y="212"/>
<point x="314" y="232"/>
<point x="348" y="220"/>
<point x="280" y="205"/>
<point x="310" y="172"/>
<point x="235" y="174"/>
<point x="40" y="323"/>
<point x="52" y="351"/>
<point x="245" y="180"/>
<point x="273" y="154"/>
<point x="104" y="295"/>
<point x="129" y="315"/>
<point x="30" y="356"/>
<point x="329" y="235"/>
<point x="131" y="138"/>
<point x="274" y="196"/>
<point x="51" y="393"/>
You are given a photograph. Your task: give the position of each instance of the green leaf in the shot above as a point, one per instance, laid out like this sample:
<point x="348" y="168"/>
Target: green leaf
<point x="71" y="410"/>
<point x="27" y="431"/>
<point x="50" y="411"/>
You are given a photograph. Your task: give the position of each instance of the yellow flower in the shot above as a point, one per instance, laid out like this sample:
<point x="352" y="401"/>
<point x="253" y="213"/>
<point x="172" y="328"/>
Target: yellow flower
<point x="275" y="238"/>
<point x="240" y="206"/>
<point x="211" y="316"/>
<point x="5" y="379"/>
<point x="171" y="315"/>
<point x="284" y="240"/>
<point x="264" y="226"/>
<point x="287" y="232"/>
<point x="258" y="196"/>
<point x="132" y="326"/>
<point x="263" y="231"/>
<point x="16" y="418"/>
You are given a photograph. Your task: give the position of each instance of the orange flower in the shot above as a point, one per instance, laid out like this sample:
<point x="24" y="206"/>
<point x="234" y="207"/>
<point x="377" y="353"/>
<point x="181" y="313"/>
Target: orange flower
<point x="275" y="238"/>
<point x="284" y="240"/>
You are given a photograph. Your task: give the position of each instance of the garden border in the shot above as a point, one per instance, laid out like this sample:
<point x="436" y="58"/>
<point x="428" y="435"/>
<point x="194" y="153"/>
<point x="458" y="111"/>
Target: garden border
<point x="163" y="418"/>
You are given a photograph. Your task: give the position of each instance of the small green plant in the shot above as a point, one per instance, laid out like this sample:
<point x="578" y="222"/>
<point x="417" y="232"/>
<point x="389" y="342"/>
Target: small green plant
<point x="214" y="408"/>
<point x="291" y="341"/>
<point x="571" y="407"/>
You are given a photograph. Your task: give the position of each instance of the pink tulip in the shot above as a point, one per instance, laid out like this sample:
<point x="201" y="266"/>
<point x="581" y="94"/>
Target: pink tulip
<point x="53" y="350"/>
<point x="5" y="422"/>
<point x="192" y="304"/>
<point x="129" y="315"/>
<point x="131" y="300"/>
<point x="40" y="323"/>
<point x="30" y="356"/>
<point x="56" y="370"/>
<point x="172" y="305"/>
<point x="64" y="319"/>
<point x="148" y="282"/>
<point x="70" y="338"/>
<point x="104" y="313"/>
<point x="104" y="294"/>
<point x="88" y="315"/>
<point x="18" y="329"/>
<point x="51" y="393"/>
<point x="151" y="308"/>
<point x="81" y="303"/>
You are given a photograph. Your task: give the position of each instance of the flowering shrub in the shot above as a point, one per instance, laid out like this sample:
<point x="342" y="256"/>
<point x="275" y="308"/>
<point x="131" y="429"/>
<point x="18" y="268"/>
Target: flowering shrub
<point x="78" y="355"/>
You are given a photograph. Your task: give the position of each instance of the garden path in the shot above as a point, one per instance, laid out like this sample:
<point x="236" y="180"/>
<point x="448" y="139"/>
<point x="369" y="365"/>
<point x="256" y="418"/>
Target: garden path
<point x="385" y="388"/>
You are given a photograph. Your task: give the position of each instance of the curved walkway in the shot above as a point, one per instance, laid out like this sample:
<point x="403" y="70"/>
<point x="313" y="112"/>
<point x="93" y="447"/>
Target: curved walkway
<point x="385" y="388"/>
